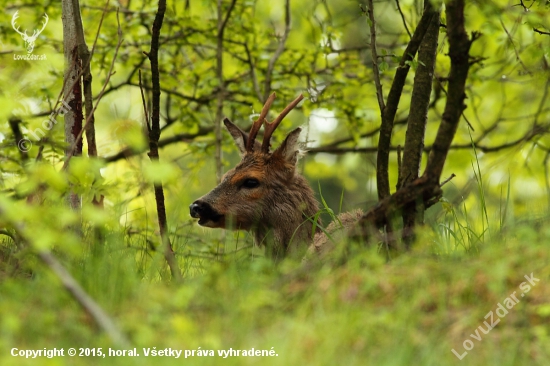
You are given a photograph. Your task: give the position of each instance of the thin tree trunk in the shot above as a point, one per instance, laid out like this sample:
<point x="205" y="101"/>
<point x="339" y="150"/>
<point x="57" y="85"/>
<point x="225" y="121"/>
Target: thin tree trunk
<point x="390" y="109"/>
<point x="416" y="127"/>
<point x="427" y="188"/>
<point x="154" y="135"/>
<point x="222" y="22"/>
<point x="72" y="93"/>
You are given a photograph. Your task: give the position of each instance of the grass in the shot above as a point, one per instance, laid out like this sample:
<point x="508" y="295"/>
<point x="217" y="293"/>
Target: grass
<point x="412" y="310"/>
<point x="363" y="310"/>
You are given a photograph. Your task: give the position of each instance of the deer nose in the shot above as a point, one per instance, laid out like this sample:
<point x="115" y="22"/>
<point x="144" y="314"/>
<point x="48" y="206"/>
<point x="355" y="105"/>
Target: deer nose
<point x="195" y="209"/>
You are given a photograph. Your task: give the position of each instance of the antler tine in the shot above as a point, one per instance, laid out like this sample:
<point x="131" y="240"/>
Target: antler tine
<point x="258" y="123"/>
<point x="270" y="127"/>
<point x="13" y="23"/>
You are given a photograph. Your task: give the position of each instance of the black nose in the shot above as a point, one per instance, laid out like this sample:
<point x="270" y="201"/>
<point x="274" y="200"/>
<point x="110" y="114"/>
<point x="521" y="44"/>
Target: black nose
<point x="195" y="209"/>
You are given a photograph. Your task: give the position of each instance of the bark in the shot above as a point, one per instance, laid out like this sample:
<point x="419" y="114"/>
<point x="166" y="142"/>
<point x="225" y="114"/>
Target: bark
<point x="459" y="47"/>
<point x="388" y="114"/>
<point x="72" y="92"/>
<point x="20" y="141"/>
<point x="416" y="128"/>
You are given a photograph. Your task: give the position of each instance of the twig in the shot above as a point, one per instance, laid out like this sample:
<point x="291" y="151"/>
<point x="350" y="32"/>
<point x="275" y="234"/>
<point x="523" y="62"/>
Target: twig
<point x="253" y="72"/>
<point x="188" y="137"/>
<point x="515" y="49"/>
<point x="144" y="103"/>
<point x="403" y="18"/>
<point x="277" y="54"/>
<point x="541" y="32"/>
<point x="447" y="180"/>
<point x="374" y="53"/>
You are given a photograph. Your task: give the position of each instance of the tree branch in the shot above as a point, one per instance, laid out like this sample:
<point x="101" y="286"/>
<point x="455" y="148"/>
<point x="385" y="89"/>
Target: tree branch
<point x="222" y="23"/>
<point x="277" y="54"/>
<point x="374" y="54"/>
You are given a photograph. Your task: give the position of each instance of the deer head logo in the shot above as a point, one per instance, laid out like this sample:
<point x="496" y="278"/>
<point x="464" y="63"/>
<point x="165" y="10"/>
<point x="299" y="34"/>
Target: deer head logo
<point x="29" y="40"/>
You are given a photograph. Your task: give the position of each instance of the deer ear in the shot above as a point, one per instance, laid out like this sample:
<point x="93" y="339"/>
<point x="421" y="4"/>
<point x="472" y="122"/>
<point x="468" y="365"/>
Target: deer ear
<point x="239" y="136"/>
<point x="290" y="148"/>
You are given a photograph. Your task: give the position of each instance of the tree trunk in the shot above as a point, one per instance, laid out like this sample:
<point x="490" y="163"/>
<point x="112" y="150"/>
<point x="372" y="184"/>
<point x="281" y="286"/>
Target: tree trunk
<point x="72" y="89"/>
<point x="413" y="213"/>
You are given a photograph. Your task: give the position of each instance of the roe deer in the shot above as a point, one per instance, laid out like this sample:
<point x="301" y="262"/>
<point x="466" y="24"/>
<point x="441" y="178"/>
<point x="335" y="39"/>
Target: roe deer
<point x="265" y="194"/>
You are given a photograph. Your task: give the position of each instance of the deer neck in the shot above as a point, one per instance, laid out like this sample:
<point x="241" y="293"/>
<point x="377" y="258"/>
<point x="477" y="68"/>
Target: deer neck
<point x="288" y="224"/>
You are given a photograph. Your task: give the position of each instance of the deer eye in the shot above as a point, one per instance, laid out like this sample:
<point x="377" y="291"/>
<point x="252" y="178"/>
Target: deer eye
<point x="250" y="183"/>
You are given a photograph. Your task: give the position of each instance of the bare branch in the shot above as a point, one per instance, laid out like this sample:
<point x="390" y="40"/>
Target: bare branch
<point x="515" y="49"/>
<point x="403" y="18"/>
<point x="541" y="32"/>
<point x="278" y="52"/>
<point x="374" y="53"/>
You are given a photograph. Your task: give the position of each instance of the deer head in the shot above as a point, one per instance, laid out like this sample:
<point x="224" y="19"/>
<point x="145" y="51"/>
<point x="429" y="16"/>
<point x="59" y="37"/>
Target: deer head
<point x="263" y="193"/>
<point x="29" y="40"/>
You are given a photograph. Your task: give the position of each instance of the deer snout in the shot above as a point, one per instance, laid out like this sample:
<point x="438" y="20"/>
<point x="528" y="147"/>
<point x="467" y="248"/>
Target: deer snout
<point x="195" y="210"/>
<point x="206" y="214"/>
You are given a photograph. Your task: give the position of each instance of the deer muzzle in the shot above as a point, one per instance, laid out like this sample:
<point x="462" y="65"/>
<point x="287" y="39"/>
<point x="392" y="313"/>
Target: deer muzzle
<point x="206" y="214"/>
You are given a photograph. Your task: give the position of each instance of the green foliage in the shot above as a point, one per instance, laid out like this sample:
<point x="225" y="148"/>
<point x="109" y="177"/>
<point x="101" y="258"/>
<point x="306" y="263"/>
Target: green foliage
<point x="488" y="231"/>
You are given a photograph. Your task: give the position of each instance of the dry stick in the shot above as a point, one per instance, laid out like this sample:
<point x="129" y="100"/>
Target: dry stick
<point x="109" y="74"/>
<point x="374" y="53"/>
<point x="278" y="52"/>
<point x="222" y="23"/>
<point x="74" y="288"/>
<point x="154" y="135"/>
<point x="388" y="115"/>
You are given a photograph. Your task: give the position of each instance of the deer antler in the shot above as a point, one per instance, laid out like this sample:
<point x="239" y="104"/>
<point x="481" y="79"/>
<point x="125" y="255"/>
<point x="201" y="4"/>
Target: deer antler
<point x="258" y="123"/>
<point x="270" y="127"/>
<point x="13" y="19"/>
<point x="36" y="33"/>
